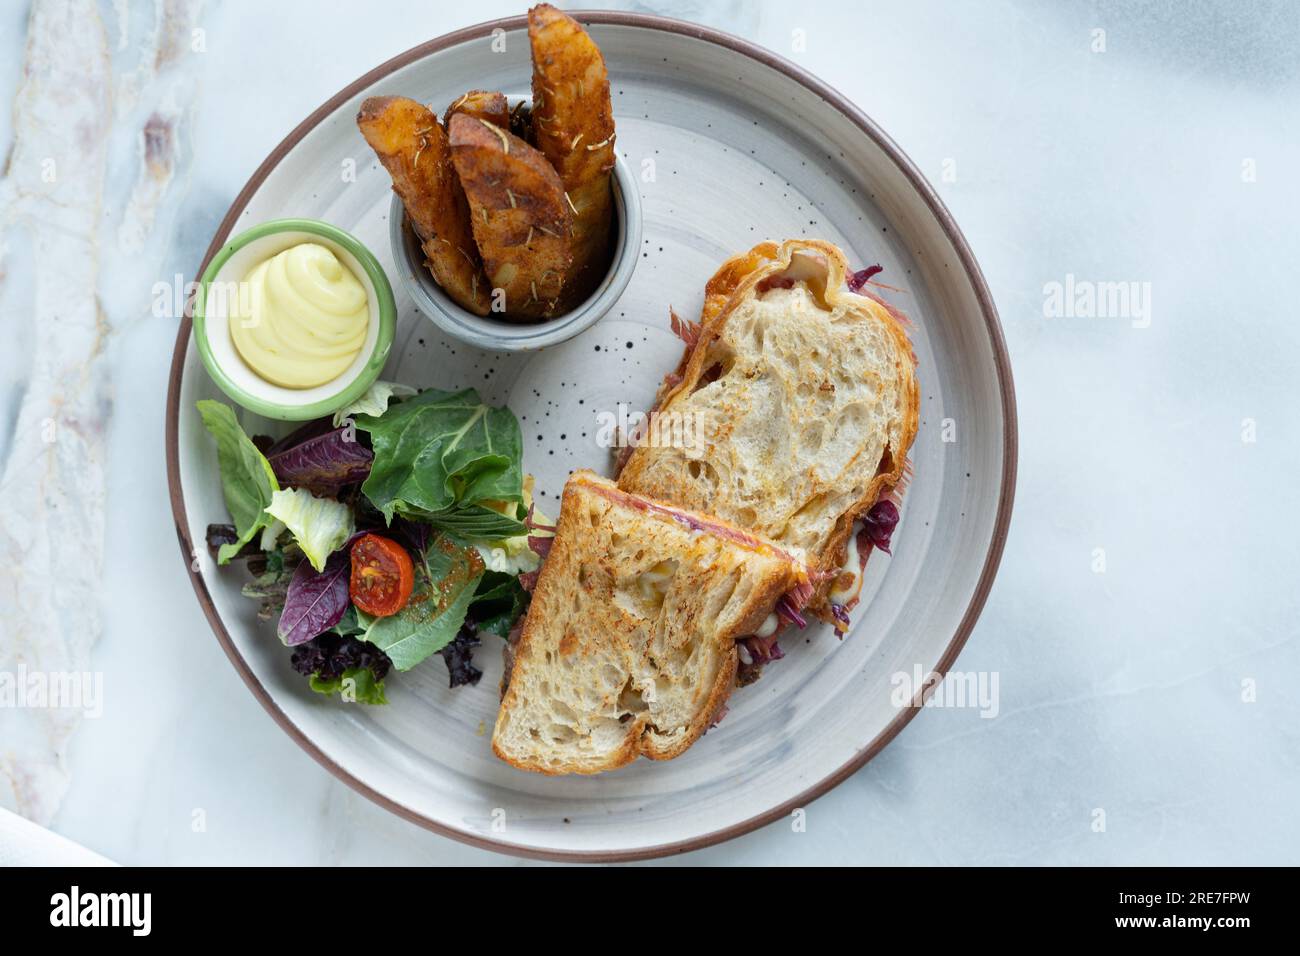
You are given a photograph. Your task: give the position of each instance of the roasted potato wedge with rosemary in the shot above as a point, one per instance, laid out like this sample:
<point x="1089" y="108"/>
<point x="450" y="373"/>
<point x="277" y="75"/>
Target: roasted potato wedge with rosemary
<point x="521" y="220"/>
<point x="414" y="149"/>
<point x="486" y="106"/>
<point x="573" y="126"/>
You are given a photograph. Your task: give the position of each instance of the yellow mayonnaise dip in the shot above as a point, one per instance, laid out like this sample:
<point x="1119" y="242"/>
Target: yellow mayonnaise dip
<point x="302" y="318"/>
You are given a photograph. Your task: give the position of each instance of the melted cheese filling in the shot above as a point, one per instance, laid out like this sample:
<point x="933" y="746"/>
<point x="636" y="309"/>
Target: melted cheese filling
<point x="848" y="585"/>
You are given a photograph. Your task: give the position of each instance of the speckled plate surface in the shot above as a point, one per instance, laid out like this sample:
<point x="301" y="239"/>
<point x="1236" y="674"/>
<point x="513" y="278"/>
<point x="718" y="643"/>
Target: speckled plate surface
<point x="732" y="145"/>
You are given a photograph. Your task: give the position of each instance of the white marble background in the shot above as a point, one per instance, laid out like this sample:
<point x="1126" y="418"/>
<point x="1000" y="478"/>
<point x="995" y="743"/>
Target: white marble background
<point x="1162" y="690"/>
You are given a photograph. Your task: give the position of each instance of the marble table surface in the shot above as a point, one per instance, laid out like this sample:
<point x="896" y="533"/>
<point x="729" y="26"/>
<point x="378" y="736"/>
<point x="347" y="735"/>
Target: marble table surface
<point x="1144" y="623"/>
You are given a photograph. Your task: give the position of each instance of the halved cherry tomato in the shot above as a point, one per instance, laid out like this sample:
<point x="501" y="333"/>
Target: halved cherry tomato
<point x="382" y="575"/>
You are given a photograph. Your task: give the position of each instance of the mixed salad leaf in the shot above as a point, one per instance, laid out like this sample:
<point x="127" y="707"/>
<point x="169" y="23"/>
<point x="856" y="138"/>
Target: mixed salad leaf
<point x="447" y="459"/>
<point x="459" y="657"/>
<point x="498" y="603"/>
<point x="315" y="600"/>
<point x="343" y="665"/>
<point x="247" y="481"/>
<point x="322" y="463"/>
<point x="319" y="525"/>
<point x="374" y="402"/>
<point x="446" y="577"/>
<point x="394" y="530"/>
<point x="365" y="689"/>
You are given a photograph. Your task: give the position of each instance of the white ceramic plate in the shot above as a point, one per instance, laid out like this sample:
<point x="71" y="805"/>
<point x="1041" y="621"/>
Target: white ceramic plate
<point x="732" y="145"/>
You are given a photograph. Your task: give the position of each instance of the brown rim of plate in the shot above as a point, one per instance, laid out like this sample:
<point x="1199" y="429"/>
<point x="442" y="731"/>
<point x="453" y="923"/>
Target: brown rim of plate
<point x="987" y="309"/>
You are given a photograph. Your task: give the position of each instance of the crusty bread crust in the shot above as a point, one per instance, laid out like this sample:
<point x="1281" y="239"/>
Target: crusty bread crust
<point x="823" y="267"/>
<point x="719" y="289"/>
<point x="576" y="612"/>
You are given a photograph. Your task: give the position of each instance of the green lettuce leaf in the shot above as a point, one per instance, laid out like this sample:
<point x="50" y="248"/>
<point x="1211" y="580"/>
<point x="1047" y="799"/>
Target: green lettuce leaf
<point x="374" y="402"/>
<point x="247" y="481"/>
<point x="445" y="582"/>
<point x="449" y="460"/>
<point x="349" y="624"/>
<point x="498" y="602"/>
<point x="319" y="525"/>
<point x="475" y="521"/>
<point x="357" y="685"/>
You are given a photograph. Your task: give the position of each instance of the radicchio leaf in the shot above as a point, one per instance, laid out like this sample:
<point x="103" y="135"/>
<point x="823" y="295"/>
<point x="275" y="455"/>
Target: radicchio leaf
<point x="323" y="463"/>
<point x="786" y="610"/>
<point x="316" y="600"/>
<point x="764" y="649"/>
<point x="859" y="279"/>
<point x="878" y="526"/>
<point x="797" y="597"/>
<point x="754" y="653"/>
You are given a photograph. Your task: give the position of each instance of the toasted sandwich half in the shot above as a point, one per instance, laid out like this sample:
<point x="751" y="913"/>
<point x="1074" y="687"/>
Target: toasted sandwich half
<point x="630" y="643"/>
<point x="801" y="398"/>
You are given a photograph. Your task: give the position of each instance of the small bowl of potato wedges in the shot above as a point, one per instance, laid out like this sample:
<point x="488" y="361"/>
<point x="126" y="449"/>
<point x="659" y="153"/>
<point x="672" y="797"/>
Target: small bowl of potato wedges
<point x="514" y="225"/>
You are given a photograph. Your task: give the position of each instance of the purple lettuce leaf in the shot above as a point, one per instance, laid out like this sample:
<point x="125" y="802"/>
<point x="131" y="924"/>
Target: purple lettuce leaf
<point x="311" y="429"/>
<point x="323" y="463"/>
<point x="316" y="600"/>
<point x="412" y="535"/>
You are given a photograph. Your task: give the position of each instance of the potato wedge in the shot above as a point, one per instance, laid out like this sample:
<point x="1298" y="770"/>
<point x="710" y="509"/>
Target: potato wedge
<point x="486" y="106"/>
<point x="521" y="221"/>
<point x="414" y="149"/>
<point x="573" y="126"/>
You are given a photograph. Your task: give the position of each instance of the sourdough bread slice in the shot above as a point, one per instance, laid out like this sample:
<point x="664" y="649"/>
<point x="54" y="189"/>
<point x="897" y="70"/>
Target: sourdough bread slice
<point x="629" y="646"/>
<point x="802" y="400"/>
